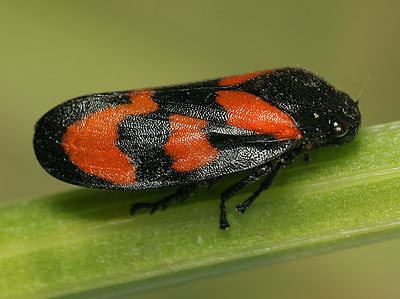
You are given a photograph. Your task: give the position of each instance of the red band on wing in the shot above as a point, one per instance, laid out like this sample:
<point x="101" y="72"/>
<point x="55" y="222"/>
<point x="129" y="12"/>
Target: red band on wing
<point x="250" y="112"/>
<point x="234" y="80"/>
<point x="91" y="142"/>
<point x="188" y="145"/>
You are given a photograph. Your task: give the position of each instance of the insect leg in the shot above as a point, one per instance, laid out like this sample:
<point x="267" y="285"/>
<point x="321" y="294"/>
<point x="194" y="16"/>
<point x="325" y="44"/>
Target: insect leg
<point x="243" y="207"/>
<point x="307" y="156"/>
<point x="282" y="162"/>
<point x="228" y="193"/>
<point x="307" y="149"/>
<point x="181" y="194"/>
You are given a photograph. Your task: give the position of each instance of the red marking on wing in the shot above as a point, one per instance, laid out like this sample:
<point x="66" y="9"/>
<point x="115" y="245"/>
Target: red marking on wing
<point x="188" y="145"/>
<point x="250" y="112"/>
<point x="90" y="143"/>
<point x="234" y="80"/>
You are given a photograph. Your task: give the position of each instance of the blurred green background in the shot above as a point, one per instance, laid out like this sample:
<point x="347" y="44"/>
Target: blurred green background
<point x="54" y="50"/>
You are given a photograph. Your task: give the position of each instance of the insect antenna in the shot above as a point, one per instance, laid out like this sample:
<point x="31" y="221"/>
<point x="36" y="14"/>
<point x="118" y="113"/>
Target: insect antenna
<point x="362" y="89"/>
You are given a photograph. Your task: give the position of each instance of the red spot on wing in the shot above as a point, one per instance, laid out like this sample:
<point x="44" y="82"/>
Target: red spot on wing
<point x="188" y="145"/>
<point x="250" y="112"/>
<point x="90" y="143"/>
<point x="234" y="80"/>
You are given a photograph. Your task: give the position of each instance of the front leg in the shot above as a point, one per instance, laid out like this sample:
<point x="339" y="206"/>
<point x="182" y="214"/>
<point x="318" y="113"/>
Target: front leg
<point x="245" y="205"/>
<point x="270" y="177"/>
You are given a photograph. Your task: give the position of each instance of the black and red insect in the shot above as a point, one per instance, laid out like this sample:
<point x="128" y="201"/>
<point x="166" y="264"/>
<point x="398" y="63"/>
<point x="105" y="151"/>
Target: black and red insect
<point x="193" y="134"/>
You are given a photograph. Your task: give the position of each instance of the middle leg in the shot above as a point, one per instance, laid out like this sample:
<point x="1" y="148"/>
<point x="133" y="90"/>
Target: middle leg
<point x="228" y="193"/>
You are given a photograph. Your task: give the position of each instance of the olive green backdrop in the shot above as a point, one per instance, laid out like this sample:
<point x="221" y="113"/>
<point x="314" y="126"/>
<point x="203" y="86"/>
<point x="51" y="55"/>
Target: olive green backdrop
<point x="54" y="50"/>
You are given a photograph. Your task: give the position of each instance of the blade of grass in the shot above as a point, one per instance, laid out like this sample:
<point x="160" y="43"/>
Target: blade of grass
<point x="84" y="243"/>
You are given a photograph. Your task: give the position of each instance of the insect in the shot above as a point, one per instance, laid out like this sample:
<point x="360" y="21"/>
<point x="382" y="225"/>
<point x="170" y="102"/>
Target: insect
<point x="192" y="135"/>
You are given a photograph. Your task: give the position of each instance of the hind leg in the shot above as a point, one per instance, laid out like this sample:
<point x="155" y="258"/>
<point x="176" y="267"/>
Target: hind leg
<point x="181" y="194"/>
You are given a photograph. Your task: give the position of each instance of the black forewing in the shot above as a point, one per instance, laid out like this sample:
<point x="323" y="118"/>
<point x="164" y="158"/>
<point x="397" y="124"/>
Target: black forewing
<point x="142" y="137"/>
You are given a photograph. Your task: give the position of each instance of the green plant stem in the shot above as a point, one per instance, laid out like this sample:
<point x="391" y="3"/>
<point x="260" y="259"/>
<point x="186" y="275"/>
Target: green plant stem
<point x="85" y="243"/>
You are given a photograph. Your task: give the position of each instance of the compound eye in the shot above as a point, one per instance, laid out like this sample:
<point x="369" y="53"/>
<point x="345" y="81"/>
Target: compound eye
<point x="341" y="128"/>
